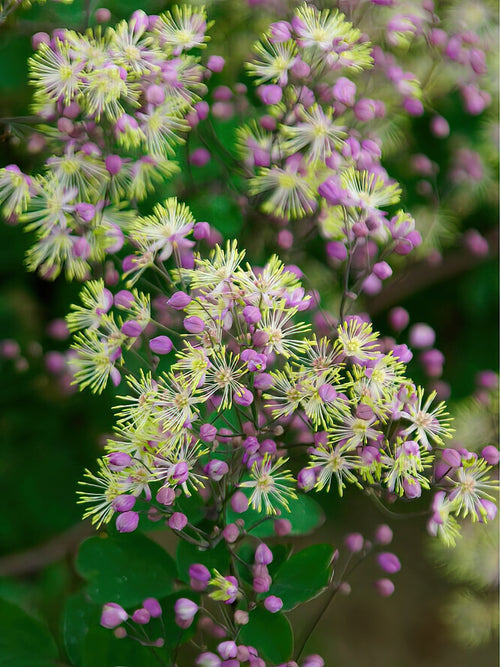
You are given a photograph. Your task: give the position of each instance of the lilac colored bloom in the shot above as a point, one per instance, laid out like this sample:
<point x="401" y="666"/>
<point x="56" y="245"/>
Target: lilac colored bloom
<point x="199" y="157"/>
<point x="252" y="314"/>
<point x="123" y="502"/>
<point x="491" y="455"/>
<point x="112" y="615"/>
<point x="243" y="397"/>
<point x="208" y="432"/>
<point x="270" y="94"/>
<point x="388" y="562"/>
<point x="215" y="63"/>
<point x="179" y="300"/>
<point x="153" y="606"/>
<point x="227" y="649"/>
<point x="166" y="495"/>
<point x="124" y="299"/>
<point x="178" y="521"/>
<point x="127" y="522"/>
<point x="185" y="609"/>
<point x="263" y="381"/>
<point x="199" y="572"/>
<point x="131" y="328"/>
<point x="327" y="393"/>
<point x="263" y="554"/>
<point x="141" y="616"/>
<point x="280" y="32"/>
<point x="383" y="534"/>
<point x="398" y="318"/>
<point x="273" y="603"/>
<point x="421" y="335"/>
<point x="194" y="324"/>
<point x="216" y="469"/>
<point x="201" y="231"/>
<point x="160" y="345"/>
<point x="354" y="542"/>
<point x="344" y="91"/>
<point x="384" y="587"/>
<point x="239" y="502"/>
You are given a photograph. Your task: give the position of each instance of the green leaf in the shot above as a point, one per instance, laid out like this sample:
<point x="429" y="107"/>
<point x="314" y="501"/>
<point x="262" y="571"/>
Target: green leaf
<point x="271" y="634"/>
<point x="187" y="554"/>
<point x="80" y="615"/>
<point x="305" y="516"/>
<point x="24" y="641"/>
<point x="125" y="569"/>
<point x="303" y="576"/>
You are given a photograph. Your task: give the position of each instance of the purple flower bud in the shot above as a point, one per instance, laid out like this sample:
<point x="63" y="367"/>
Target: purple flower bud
<point x="300" y="68"/>
<point x="215" y="63"/>
<point x="412" y="488"/>
<point x="440" y="127"/>
<point x="364" y="411"/>
<point x="262" y="584"/>
<point x="178" y="521"/>
<point x="251" y="314"/>
<point x="161" y="345"/>
<point x="115" y="376"/>
<point x="306" y="479"/>
<point x="260" y="338"/>
<point x="166" y="495"/>
<point x="199" y="572"/>
<point x="491" y="455"/>
<point x="327" y="393"/>
<point x="112" y="615"/>
<point x="124" y="299"/>
<point x="131" y="328"/>
<point x="263" y="554"/>
<point x="216" y="469"/>
<point x="179" y="300"/>
<point x="476" y="243"/>
<point x="452" y="457"/>
<point x="382" y="270"/>
<point x="243" y="397"/>
<point x="314" y="660"/>
<point x="231" y="533"/>
<point x="139" y="22"/>
<point x="263" y="381"/>
<point x="280" y="32"/>
<point x="179" y="473"/>
<point x="384" y="587"/>
<point x="421" y="335"/>
<point x="282" y="527"/>
<point x="82" y="248"/>
<point x="388" y="562"/>
<point x="273" y="603"/>
<point x="123" y="503"/>
<point x="185" y="609"/>
<point x="39" y="38"/>
<point x="402" y="353"/>
<point x="383" y="534"/>
<point x="490" y="510"/>
<point x="141" y="616"/>
<point x="207" y="659"/>
<point x="336" y="250"/>
<point x="227" y="649"/>
<point x="127" y="522"/>
<point x="354" y="542"/>
<point x="194" y="324"/>
<point x="344" y="91"/>
<point x="239" y="502"/>
<point x="113" y="164"/>
<point x="118" y="461"/>
<point x="201" y="231"/>
<point x="153" y="606"/>
<point x="270" y="94"/>
<point x="207" y="432"/>
<point x="365" y="110"/>
<point x="85" y="211"/>
<point x="200" y="157"/>
<point x="155" y="95"/>
<point x="398" y="318"/>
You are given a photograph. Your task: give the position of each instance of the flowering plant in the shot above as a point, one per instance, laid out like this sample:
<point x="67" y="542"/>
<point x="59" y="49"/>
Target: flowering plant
<point x="242" y="391"/>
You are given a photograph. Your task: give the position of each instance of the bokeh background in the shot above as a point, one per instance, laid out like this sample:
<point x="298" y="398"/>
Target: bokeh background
<point x="49" y="434"/>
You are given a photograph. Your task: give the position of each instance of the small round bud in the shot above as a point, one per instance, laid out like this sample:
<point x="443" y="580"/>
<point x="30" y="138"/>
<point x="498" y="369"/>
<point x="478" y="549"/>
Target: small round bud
<point x="388" y="562"/>
<point x="273" y="603"/>
<point x="127" y="522"/>
<point x="177" y="521"/>
<point x="384" y="587"/>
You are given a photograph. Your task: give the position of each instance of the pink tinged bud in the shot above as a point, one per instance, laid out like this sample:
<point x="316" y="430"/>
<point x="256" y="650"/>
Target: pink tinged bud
<point x="263" y="381"/>
<point x="365" y="110"/>
<point x="306" y="479"/>
<point x="241" y="617"/>
<point x="85" y="211"/>
<point x="139" y="21"/>
<point x="227" y="650"/>
<point x="216" y="469"/>
<point x="179" y="300"/>
<point x="180" y="473"/>
<point x="141" y="616"/>
<point x="273" y="603"/>
<point x="155" y="95"/>
<point x="371" y="284"/>
<point x="412" y="488"/>
<point x="487" y="379"/>
<point x="243" y="397"/>
<point x="382" y="270"/>
<point x="383" y="534"/>
<point x="344" y="91"/>
<point x="208" y="432"/>
<point x="388" y="562"/>
<point x="185" y="609"/>
<point x="336" y="250"/>
<point x="354" y="542"/>
<point x="413" y="106"/>
<point x="239" y="502"/>
<point x="490" y="510"/>
<point x="202" y="109"/>
<point x="112" y="615"/>
<point x="314" y="660"/>
<point x="251" y="314"/>
<point x="263" y="554"/>
<point x="118" y="461"/>
<point x="452" y="457"/>
<point x="491" y="455"/>
<point x="476" y="243"/>
<point x="384" y="587"/>
<point x="178" y="521"/>
<point x="131" y="328"/>
<point x="194" y="324"/>
<point x="65" y="125"/>
<point x="300" y="68"/>
<point x="402" y="353"/>
<point x="282" y="527"/>
<point x="102" y="15"/>
<point x="201" y="231"/>
<point x="124" y="299"/>
<point x="262" y="583"/>
<point x="421" y="335"/>
<point x="215" y="63"/>
<point x="270" y="94"/>
<point x="199" y="572"/>
<point x="327" y="393"/>
<point x="199" y="157"/>
<point x="231" y="533"/>
<point x="280" y="32"/>
<point x="285" y="239"/>
<point x="161" y="345"/>
<point x="81" y="248"/>
<point x="113" y="164"/>
<point x="399" y="318"/>
<point x="260" y="338"/>
<point x="40" y="38"/>
<point x="166" y="495"/>
<point x="127" y="522"/>
<point x="440" y="127"/>
<point x="115" y="376"/>
<point x="208" y="660"/>
<point x="153" y="607"/>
